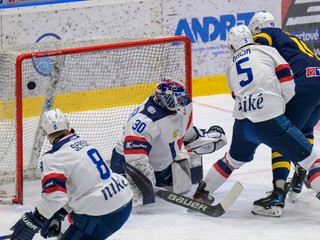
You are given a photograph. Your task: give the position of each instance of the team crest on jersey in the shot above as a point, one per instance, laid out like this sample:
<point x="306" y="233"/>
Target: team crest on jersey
<point x="151" y="110"/>
<point x="313" y="72"/>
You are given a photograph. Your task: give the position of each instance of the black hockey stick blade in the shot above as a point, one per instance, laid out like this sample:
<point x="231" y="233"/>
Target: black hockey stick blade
<point x="210" y="210"/>
<point x="6" y="236"/>
<point x="143" y="183"/>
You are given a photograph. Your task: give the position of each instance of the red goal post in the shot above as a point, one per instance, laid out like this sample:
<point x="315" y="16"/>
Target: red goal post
<point x="97" y="86"/>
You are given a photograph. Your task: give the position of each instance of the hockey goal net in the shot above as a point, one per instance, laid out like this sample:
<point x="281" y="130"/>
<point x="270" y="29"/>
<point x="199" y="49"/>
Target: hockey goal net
<point x="96" y="82"/>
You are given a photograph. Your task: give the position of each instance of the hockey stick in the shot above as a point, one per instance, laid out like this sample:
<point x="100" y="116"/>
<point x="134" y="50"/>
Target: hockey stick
<point x="212" y="210"/>
<point x="6" y="236"/>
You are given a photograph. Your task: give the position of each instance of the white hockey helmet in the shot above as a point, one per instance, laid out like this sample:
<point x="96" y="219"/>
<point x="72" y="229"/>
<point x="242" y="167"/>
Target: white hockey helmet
<point x="55" y="121"/>
<point x="238" y="37"/>
<point x="261" y="20"/>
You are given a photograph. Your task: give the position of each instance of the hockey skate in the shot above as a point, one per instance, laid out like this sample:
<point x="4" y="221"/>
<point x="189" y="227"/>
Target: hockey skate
<point x="202" y="195"/>
<point x="297" y="182"/>
<point x="271" y="205"/>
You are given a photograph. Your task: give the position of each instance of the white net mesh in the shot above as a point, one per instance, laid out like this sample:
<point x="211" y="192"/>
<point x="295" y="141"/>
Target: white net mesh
<point x="96" y="89"/>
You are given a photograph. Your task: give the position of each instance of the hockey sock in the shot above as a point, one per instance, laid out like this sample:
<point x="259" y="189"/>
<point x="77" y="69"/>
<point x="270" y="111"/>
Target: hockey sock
<point x="220" y="172"/>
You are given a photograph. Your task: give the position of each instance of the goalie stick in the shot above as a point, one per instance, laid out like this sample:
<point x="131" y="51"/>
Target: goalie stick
<point x="210" y="210"/>
<point x="144" y="183"/>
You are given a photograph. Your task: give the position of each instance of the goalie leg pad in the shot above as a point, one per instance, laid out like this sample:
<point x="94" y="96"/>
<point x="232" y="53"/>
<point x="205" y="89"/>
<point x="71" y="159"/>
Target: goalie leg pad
<point x="196" y="167"/>
<point x="181" y="176"/>
<point x="141" y="178"/>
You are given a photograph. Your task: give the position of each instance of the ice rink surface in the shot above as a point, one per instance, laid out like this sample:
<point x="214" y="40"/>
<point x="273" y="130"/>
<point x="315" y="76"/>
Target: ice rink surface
<point x="165" y="221"/>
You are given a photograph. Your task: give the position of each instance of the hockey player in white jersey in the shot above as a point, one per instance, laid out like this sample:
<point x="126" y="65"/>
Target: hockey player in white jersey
<point x="261" y="83"/>
<point x="155" y="137"/>
<point x="75" y="180"/>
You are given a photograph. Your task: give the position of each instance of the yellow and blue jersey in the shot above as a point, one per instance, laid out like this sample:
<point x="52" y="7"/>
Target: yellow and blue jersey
<point x="303" y="62"/>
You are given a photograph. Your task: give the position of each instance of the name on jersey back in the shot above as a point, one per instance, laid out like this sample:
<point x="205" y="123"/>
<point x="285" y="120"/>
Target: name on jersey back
<point x="241" y="53"/>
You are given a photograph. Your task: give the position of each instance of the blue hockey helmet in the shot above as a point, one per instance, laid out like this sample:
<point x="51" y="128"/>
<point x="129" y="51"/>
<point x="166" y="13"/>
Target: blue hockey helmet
<point x="170" y="94"/>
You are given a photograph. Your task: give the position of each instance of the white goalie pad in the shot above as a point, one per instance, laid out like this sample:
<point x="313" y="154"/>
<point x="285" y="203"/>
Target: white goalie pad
<point x="196" y="167"/>
<point x="181" y="176"/>
<point x="145" y="168"/>
<point x="207" y="145"/>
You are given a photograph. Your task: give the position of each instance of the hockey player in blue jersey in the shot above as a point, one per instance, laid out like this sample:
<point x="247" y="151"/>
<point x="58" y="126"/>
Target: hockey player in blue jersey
<point x="155" y="138"/>
<point x="261" y="83"/>
<point x="303" y="109"/>
<point x="75" y="180"/>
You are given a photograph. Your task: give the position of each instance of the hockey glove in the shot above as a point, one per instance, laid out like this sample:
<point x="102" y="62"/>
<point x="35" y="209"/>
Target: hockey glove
<point x="29" y="224"/>
<point x="52" y="227"/>
<point x="208" y="141"/>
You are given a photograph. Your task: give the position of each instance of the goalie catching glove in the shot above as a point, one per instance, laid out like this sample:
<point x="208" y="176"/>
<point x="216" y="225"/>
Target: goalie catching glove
<point x="207" y="141"/>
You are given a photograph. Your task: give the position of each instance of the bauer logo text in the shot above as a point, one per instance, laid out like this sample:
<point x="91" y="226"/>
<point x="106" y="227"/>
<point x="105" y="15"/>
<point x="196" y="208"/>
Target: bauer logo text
<point x="187" y="202"/>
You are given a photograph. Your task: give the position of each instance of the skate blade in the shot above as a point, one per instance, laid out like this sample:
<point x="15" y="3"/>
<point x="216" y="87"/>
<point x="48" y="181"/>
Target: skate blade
<point x="272" y="212"/>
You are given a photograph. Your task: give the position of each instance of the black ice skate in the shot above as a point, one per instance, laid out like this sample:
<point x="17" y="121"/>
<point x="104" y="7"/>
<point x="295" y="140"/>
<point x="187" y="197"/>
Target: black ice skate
<point x="297" y="182"/>
<point x="298" y="179"/>
<point x="202" y="195"/>
<point x="271" y="205"/>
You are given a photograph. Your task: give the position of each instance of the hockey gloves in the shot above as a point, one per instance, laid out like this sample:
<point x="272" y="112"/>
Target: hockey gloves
<point x="52" y="227"/>
<point x="208" y="141"/>
<point x="29" y="224"/>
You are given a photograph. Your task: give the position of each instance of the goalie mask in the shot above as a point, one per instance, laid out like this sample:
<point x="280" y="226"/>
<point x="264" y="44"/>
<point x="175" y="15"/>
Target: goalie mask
<point x="170" y="95"/>
<point x="238" y="37"/>
<point x="55" y="121"/>
<point x="261" y="20"/>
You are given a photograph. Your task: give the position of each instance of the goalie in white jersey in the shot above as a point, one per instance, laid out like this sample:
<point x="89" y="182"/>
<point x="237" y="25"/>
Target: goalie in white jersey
<point x="153" y="141"/>
<point x="261" y="83"/>
<point x="75" y="180"/>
